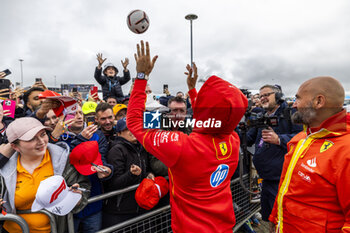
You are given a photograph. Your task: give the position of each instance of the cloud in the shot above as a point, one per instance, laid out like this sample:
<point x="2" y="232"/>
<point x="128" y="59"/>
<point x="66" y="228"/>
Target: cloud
<point x="248" y="43"/>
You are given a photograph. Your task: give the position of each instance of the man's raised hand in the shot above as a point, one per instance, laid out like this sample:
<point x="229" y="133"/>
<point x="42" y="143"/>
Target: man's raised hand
<point x="191" y="81"/>
<point x="143" y="59"/>
<point x="2" y="74"/>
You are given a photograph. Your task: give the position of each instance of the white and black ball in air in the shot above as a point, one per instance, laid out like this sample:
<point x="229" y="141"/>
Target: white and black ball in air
<point x="138" y="21"/>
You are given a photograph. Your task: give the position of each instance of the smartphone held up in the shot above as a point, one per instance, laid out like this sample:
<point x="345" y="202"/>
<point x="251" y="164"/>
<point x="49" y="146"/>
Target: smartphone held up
<point x="5" y="73"/>
<point x="9" y="108"/>
<point x="165" y="88"/>
<point x="94" y="92"/>
<point x="90" y="120"/>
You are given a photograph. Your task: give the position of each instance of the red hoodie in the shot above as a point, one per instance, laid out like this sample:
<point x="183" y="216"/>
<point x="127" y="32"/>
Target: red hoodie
<point x="200" y="164"/>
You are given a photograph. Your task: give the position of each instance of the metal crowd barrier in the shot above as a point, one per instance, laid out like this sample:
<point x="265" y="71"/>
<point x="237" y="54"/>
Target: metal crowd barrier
<point x="158" y="220"/>
<point x="17" y="219"/>
<point x="43" y="211"/>
<point x="23" y="224"/>
<point x="243" y="207"/>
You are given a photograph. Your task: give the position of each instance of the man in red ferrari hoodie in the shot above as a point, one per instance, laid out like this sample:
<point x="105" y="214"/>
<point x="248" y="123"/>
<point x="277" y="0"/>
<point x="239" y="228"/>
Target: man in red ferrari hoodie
<point x="314" y="193"/>
<point x="200" y="164"/>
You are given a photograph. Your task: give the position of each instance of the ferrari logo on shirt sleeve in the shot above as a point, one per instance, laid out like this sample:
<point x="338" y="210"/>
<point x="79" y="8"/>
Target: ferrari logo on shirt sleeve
<point x="326" y="145"/>
<point x="223" y="148"/>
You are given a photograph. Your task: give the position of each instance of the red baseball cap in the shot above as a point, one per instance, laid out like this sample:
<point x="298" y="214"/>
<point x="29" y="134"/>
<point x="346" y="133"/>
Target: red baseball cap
<point x="49" y="93"/>
<point x="83" y="155"/>
<point x="162" y="184"/>
<point x="150" y="191"/>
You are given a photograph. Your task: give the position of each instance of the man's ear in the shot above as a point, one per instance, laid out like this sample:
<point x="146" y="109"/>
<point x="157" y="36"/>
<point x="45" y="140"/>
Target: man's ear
<point x="29" y="106"/>
<point x="320" y="101"/>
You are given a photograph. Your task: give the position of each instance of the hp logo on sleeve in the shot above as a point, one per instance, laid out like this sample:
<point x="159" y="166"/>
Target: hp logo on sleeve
<point x="219" y="175"/>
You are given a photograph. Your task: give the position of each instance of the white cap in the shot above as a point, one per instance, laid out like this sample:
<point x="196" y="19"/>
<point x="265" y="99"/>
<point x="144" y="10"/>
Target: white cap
<point x="152" y="104"/>
<point x="54" y="196"/>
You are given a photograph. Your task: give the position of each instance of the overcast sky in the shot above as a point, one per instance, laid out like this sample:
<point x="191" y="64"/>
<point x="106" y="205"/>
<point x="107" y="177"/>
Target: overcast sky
<point x="247" y="42"/>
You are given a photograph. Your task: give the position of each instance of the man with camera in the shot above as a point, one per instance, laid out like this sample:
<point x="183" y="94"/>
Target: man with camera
<point x="271" y="143"/>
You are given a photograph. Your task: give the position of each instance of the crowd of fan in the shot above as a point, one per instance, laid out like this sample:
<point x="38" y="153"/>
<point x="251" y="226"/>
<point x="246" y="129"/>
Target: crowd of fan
<point x="125" y="161"/>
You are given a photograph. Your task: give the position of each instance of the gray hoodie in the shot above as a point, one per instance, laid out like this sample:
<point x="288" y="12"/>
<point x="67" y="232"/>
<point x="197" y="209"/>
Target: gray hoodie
<point x="59" y="153"/>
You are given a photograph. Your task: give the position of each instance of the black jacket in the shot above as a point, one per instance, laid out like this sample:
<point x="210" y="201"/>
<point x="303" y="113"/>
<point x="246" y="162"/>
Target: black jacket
<point x="122" y="155"/>
<point x="268" y="158"/>
<point x="112" y="86"/>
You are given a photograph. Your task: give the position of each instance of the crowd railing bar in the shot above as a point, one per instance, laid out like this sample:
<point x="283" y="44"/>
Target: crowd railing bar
<point x="17" y="219"/>
<point x="141" y="217"/>
<point x="51" y="217"/>
<point x="128" y="189"/>
<point x="112" y="193"/>
<point x="134" y="220"/>
<point x="70" y="222"/>
<point x="239" y="224"/>
<point x="25" y="229"/>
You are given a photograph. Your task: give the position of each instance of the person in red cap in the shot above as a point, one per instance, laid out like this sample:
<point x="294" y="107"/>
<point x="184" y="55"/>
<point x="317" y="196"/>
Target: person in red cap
<point x="200" y="164"/>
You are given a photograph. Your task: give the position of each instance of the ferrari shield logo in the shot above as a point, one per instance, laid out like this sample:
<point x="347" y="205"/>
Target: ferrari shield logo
<point x="326" y="145"/>
<point x="223" y="147"/>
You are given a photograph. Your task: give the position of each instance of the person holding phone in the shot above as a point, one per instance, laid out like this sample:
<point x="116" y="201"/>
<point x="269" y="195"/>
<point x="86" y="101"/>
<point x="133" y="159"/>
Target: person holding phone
<point x="59" y="125"/>
<point x="111" y="83"/>
<point x="90" y="219"/>
<point x="39" y="83"/>
<point x="4" y="122"/>
<point x="31" y="100"/>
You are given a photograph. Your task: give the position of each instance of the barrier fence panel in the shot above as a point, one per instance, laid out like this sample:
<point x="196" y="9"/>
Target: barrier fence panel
<point x="244" y="209"/>
<point x="159" y="220"/>
<point x="70" y="222"/>
<point x="156" y="221"/>
<point x="43" y="211"/>
<point x="17" y="219"/>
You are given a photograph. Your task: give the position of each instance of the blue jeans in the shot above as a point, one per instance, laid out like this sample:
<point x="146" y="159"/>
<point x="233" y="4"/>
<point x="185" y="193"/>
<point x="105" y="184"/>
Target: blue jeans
<point x="90" y="224"/>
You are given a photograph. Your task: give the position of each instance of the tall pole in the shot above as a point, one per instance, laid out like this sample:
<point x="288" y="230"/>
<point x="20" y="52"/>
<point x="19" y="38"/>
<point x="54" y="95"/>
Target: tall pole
<point x="55" y="80"/>
<point x="21" y="60"/>
<point x="191" y="17"/>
